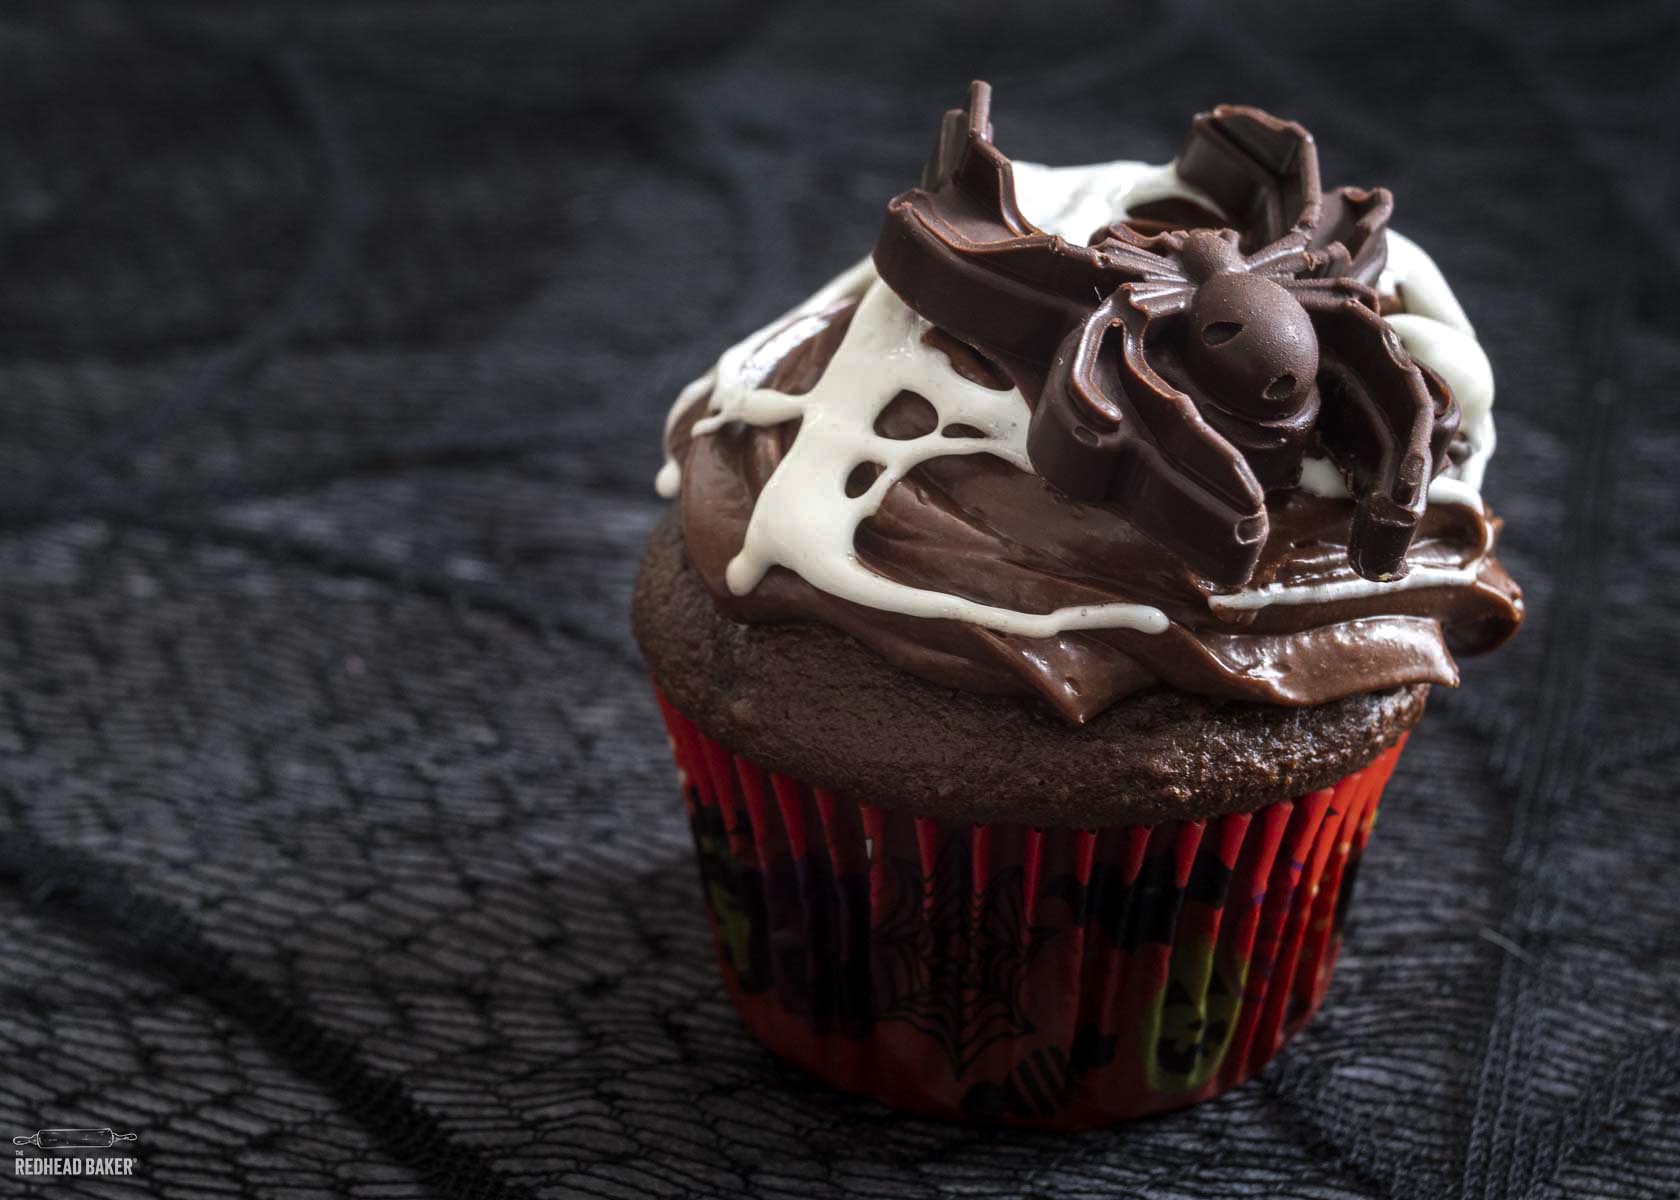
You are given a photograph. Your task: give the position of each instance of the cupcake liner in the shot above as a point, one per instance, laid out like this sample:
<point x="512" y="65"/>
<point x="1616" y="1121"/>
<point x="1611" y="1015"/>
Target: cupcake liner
<point x="997" y="972"/>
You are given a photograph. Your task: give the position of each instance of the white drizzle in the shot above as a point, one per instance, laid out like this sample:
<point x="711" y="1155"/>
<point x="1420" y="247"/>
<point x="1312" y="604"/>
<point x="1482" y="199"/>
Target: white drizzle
<point x="1344" y="589"/>
<point x="750" y="360"/>
<point x="1435" y="331"/>
<point x="804" y="521"/>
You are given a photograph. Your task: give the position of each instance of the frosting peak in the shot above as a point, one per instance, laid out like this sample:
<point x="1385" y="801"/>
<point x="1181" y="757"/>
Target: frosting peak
<point x="1072" y="432"/>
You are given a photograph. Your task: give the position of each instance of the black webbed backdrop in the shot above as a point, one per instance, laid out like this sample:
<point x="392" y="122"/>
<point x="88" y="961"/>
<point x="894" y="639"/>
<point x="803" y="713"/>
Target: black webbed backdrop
<point x="340" y="850"/>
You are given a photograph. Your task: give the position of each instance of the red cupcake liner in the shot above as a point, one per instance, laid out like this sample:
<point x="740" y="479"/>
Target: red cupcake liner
<point x="1063" y="979"/>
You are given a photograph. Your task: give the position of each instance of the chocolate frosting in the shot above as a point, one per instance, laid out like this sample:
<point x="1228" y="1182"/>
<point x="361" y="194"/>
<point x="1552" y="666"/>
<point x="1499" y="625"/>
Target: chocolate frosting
<point x="1167" y="445"/>
<point x="806" y="700"/>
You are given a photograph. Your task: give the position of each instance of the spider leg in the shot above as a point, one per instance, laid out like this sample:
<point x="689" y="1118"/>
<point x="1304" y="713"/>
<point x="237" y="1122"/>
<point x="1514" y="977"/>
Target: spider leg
<point x="1134" y="257"/>
<point x="1108" y="428"/>
<point x="1262" y="172"/>
<point x="960" y="252"/>
<point x="1447" y="417"/>
<point x="1378" y="420"/>
<point x="1348" y="239"/>
<point x="973" y="120"/>
<point x="1286" y="256"/>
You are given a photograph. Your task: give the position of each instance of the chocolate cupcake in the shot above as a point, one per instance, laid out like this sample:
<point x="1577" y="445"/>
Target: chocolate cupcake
<point x="1045" y="606"/>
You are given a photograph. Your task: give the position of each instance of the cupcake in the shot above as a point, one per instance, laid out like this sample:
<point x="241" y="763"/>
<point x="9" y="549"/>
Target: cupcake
<point x="1045" y="604"/>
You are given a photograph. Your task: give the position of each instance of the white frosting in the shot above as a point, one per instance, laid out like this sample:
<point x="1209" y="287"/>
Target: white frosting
<point x="1321" y="477"/>
<point x="804" y="521"/>
<point x="1435" y="331"/>
<point x="1413" y="276"/>
<point x="750" y="360"/>
<point x="1454" y="355"/>
<point x="1075" y="202"/>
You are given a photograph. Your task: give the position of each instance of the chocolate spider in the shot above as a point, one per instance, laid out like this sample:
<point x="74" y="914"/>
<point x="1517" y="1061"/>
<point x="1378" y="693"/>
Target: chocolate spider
<point x="1181" y="372"/>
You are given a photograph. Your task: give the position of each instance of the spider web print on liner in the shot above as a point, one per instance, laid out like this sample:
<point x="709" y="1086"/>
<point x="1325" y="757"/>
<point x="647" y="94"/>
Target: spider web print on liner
<point x="1064" y="979"/>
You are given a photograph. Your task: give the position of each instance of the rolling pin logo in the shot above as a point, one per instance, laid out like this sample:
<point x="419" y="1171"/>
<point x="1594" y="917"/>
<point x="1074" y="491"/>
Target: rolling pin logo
<point x="74" y="1139"/>
<point x="65" y="1160"/>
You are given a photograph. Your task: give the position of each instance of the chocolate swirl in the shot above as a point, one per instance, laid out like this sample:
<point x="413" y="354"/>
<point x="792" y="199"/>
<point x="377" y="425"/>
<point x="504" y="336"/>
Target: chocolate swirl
<point x="1211" y="357"/>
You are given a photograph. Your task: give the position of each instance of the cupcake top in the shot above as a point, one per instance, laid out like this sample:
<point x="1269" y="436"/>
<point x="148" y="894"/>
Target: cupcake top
<point x="1075" y="432"/>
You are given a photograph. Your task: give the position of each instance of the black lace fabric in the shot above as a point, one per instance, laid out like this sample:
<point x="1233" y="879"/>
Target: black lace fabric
<point x="340" y="849"/>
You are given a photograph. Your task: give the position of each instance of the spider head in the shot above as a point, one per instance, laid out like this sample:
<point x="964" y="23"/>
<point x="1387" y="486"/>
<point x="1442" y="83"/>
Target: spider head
<point x="1205" y="253"/>
<point x="1250" y="344"/>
